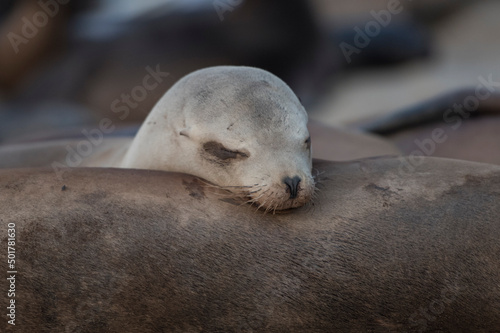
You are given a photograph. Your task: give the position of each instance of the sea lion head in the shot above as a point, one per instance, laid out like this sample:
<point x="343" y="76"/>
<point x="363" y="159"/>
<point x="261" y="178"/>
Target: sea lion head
<point x="240" y="128"/>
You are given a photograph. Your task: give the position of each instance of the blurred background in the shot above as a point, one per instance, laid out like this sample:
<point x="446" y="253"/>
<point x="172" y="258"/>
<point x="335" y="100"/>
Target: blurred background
<point x="66" y="65"/>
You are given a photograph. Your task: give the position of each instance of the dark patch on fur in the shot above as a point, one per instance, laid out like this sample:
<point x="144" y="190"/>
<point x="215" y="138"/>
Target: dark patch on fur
<point x="385" y="193"/>
<point x="16" y="186"/>
<point x="493" y="183"/>
<point x="308" y="143"/>
<point x="216" y="153"/>
<point x="195" y="188"/>
<point x="218" y="150"/>
<point x="204" y="96"/>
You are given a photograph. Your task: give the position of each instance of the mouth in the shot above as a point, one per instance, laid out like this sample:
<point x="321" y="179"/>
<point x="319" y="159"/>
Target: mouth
<point x="275" y="202"/>
<point x="275" y="199"/>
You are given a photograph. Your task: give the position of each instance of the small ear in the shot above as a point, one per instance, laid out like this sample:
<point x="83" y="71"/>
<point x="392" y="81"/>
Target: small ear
<point x="185" y="132"/>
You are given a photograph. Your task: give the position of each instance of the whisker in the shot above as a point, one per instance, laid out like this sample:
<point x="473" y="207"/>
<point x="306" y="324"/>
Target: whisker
<point x="269" y="207"/>
<point x="264" y="197"/>
<point x="253" y="200"/>
<point x="252" y="192"/>
<point x="265" y="203"/>
<point x="259" y="207"/>
<point x="318" y="173"/>
<point x="275" y="207"/>
<point x="262" y="204"/>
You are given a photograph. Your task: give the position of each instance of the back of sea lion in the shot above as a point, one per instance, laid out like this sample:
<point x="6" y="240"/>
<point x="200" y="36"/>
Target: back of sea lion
<point x="114" y="250"/>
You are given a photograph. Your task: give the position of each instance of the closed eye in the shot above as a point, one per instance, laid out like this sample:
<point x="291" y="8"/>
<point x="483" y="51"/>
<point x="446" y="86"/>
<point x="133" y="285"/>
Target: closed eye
<point x="308" y="143"/>
<point x="218" y="150"/>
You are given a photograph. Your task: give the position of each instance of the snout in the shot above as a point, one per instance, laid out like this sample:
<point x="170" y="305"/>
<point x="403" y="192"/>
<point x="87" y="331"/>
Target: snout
<point x="292" y="186"/>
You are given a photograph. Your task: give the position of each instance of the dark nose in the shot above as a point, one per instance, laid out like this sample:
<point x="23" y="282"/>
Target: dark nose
<point x="293" y="185"/>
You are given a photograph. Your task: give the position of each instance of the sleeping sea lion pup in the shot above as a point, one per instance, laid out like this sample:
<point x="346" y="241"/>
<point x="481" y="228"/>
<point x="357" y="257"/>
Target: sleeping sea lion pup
<point x="240" y="128"/>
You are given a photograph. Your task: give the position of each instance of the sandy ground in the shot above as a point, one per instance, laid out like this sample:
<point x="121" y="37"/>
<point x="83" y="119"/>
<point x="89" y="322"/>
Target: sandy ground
<point x="466" y="46"/>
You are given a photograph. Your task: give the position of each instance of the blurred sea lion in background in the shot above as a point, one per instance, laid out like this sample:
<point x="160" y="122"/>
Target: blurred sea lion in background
<point x="106" y="53"/>
<point x="462" y="124"/>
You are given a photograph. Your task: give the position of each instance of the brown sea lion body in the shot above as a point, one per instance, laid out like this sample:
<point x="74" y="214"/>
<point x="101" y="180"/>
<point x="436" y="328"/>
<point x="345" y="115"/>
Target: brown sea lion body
<point x="379" y="250"/>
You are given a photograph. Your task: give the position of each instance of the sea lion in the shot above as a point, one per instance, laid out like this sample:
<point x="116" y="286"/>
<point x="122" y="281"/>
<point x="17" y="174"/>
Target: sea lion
<point x="240" y="128"/>
<point x="461" y="124"/>
<point x="120" y="250"/>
